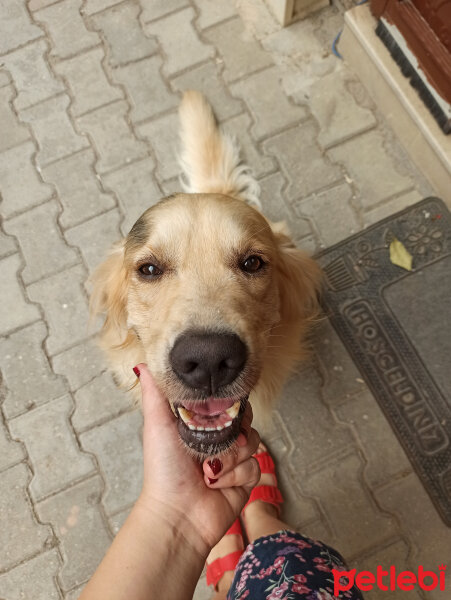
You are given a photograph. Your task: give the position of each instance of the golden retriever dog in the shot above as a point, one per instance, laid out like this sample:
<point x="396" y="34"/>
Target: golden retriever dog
<point x="205" y="290"/>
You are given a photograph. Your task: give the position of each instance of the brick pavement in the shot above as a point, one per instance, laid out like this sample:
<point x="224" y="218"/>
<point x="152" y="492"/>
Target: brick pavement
<point x="88" y="98"/>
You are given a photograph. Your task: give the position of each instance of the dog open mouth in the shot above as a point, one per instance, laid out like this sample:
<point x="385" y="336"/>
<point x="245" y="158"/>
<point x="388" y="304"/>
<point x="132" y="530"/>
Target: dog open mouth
<point x="210" y="426"/>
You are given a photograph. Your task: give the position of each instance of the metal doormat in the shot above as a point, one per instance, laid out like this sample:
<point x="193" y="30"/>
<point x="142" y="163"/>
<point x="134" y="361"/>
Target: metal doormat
<point x="396" y="324"/>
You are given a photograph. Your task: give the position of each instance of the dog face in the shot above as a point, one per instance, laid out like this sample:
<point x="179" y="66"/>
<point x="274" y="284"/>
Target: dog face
<point x="201" y="284"/>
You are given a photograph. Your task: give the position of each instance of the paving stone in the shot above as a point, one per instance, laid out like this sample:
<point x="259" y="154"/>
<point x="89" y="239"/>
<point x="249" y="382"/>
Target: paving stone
<point x="213" y="12"/>
<point x="93" y="6"/>
<point x="332" y="213"/>
<point x="117" y="446"/>
<point x="308" y="421"/>
<point x="66" y="28"/>
<point x="16" y="311"/>
<point x="97" y="401"/>
<point x="171" y="186"/>
<point x="340" y="377"/>
<point x="44" y="254"/>
<point x="112" y="136"/>
<point x="124" y="36"/>
<point x="75" y="515"/>
<point x="95" y="237"/>
<point x="54" y="453"/>
<point x="65" y="307"/>
<point x="163" y="136"/>
<point x="154" y="9"/>
<point x="87" y="81"/>
<point x="33" y="84"/>
<point x="146" y="88"/>
<point x="79" y="189"/>
<point x="5" y="78"/>
<point x="53" y="129"/>
<point x="136" y="190"/>
<point x="117" y="520"/>
<point x="202" y="591"/>
<point x="419" y="522"/>
<point x="13" y="132"/>
<point x="34" y="579"/>
<point x="26" y="191"/>
<point x="16" y="516"/>
<point x="38" y="4"/>
<point x="7" y="245"/>
<point x="394" y="554"/>
<point x="184" y="49"/>
<point x="339" y="116"/>
<point x="26" y="371"/>
<point x="206" y="79"/>
<point x="242" y="55"/>
<point x="386" y="460"/>
<point x="80" y="364"/>
<point x="381" y="211"/>
<point x="356" y="521"/>
<point x="75" y="593"/>
<point x="257" y="17"/>
<point x="11" y="452"/>
<point x="269" y="106"/>
<point x="304" y="166"/>
<point x="251" y="154"/>
<point x="16" y="27"/>
<point x="372" y="167"/>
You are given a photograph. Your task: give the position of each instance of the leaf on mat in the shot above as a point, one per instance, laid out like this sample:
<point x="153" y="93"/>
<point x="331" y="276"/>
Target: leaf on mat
<point x="400" y="256"/>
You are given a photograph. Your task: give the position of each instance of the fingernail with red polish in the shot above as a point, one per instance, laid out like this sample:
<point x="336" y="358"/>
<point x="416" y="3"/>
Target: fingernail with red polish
<point x="136" y="371"/>
<point x="215" y="465"/>
<point x="211" y="480"/>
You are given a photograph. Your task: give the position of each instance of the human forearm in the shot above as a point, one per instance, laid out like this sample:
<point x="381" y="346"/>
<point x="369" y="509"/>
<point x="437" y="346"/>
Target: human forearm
<point x="154" y="555"/>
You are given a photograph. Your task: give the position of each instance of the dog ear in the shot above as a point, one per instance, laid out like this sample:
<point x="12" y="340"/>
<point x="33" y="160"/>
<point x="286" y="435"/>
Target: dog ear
<point x="299" y="280"/>
<point x="109" y="294"/>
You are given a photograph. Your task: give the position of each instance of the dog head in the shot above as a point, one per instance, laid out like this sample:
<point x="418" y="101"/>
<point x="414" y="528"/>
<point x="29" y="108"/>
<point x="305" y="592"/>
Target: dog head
<point x="214" y="298"/>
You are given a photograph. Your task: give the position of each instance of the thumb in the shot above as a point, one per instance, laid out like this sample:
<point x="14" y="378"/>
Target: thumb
<point x="155" y="406"/>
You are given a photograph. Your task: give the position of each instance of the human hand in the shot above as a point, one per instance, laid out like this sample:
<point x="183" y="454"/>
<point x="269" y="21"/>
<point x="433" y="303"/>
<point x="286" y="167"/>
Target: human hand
<point x="177" y="487"/>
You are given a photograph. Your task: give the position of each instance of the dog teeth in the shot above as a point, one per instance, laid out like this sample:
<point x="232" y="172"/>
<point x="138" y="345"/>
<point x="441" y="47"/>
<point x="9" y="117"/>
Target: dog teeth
<point x="219" y="428"/>
<point x="227" y="424"/>
<point x="233" y="410"/>
<point x="185" y="415"/>
<point x="209" y="428"/>
<point x="191" y="427"/>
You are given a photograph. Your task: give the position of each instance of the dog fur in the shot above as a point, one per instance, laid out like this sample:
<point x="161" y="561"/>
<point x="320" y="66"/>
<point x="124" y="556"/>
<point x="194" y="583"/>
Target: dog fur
<point x="199" y="240"/>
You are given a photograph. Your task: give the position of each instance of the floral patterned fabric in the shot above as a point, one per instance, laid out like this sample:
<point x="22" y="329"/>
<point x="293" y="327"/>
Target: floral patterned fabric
<point x="288" y="566"/>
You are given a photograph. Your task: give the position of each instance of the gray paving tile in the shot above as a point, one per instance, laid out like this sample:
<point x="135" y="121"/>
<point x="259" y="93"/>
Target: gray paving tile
<point x="65" y="307"/>
<point x="372" y="165"/>
<point x="163" y="135"/>
<point x="36" y="84"/>
<point x="79" y="188"/>
<point x="11" y="452"/>
<point x="148" y="91"/>
<point x="212" y="12"/>
<point x="13" y="132"/>
<point x="26" y="371"/>
<point x="136" y="190"/>
<point x="35" y="579"/>
<point x="112" y="136"/>
<point x="44" y="254"/>
<point x="66" y="28"/>
<point x="80" y="364"/>
<point x="155" y="9"/>
<point x="16" y="27"/>
<point x="394" y="205"/>
<point x="76" y="517"/>
<point x="95" y="237"/>
<point x="26" y="191"/>
<point x="121" y="29"/>
<point x="16" y="515"/>
<point x="97" y="401"/>
<point x="117" y="446"/>
<point x="241" y="54"/>
<point x="184" y="49"/>
<point x="87" y="81"/>
<point x="8" y="245"/>
<point x="301" y="160"/>
<point x="53" y="129"/>
<point x="16" y="311"/>
<point x="54" y="453"/>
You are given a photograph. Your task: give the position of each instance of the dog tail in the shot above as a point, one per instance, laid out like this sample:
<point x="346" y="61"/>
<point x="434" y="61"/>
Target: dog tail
<point x="210" y="158"/>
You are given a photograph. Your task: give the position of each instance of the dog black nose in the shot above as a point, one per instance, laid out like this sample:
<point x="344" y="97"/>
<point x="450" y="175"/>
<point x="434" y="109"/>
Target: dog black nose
<point x="208" y="361"/>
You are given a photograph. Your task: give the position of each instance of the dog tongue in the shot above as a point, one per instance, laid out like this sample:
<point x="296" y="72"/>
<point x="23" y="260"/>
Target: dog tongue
<point x="211" y="407"/>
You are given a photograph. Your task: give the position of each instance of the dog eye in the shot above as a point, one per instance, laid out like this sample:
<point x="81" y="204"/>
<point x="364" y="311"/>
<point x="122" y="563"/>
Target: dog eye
<point x="252" y="264"/>
<point x="149" y="271"/>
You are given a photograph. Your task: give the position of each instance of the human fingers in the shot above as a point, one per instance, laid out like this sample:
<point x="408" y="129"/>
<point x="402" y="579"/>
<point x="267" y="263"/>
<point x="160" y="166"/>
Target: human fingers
<point x="245" y="475"/>
<point x="155" y="406"/>
<point x="218" y="466"/>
